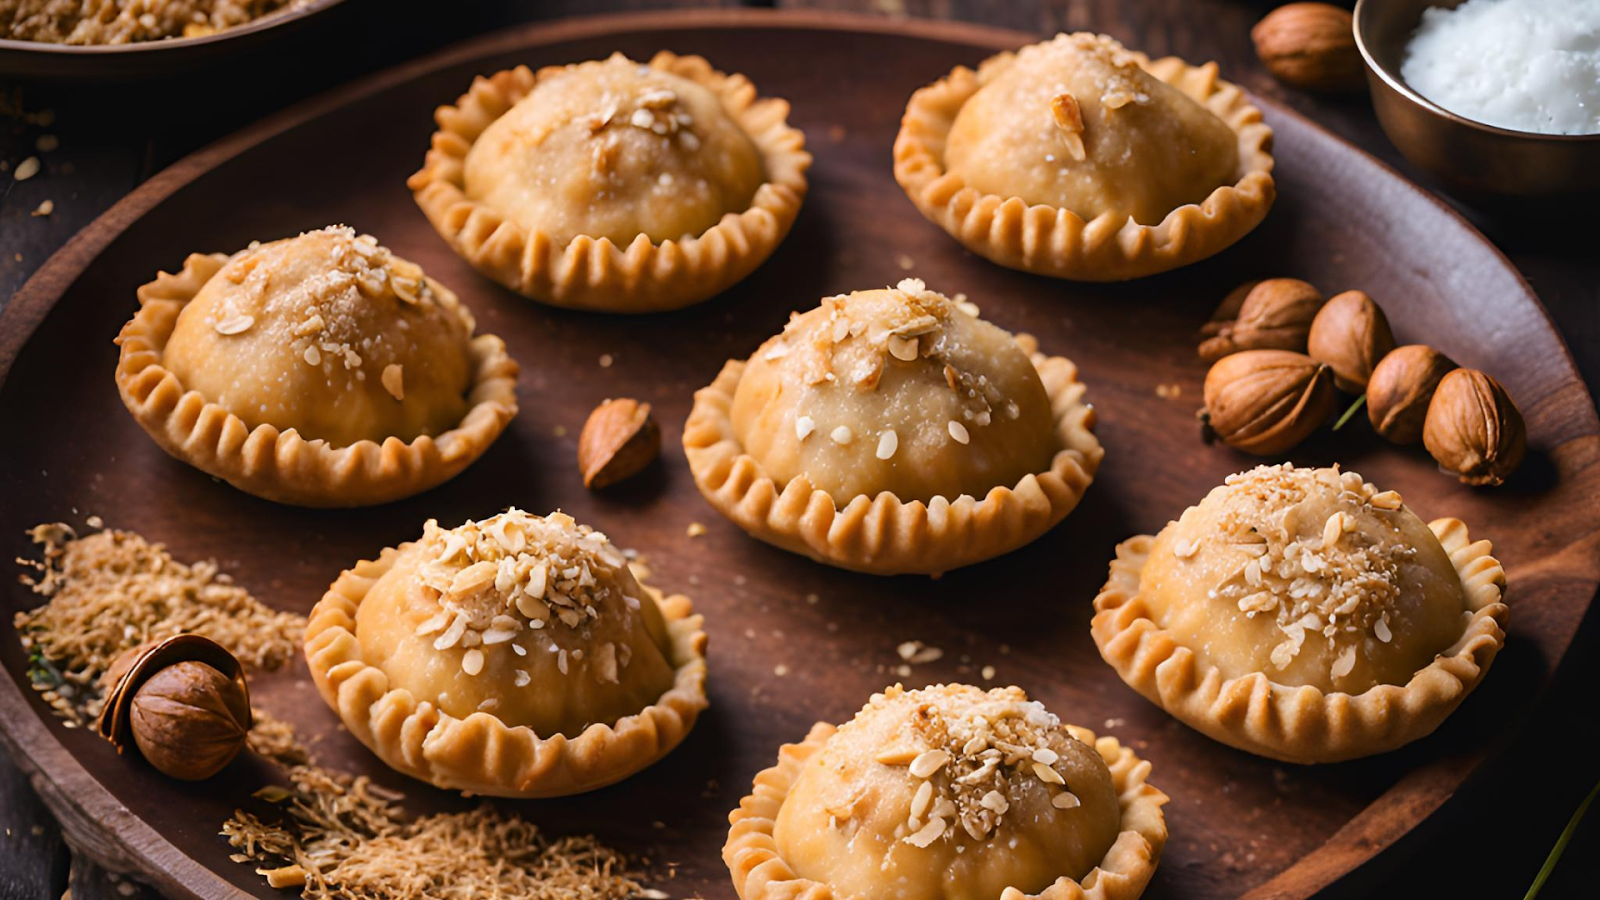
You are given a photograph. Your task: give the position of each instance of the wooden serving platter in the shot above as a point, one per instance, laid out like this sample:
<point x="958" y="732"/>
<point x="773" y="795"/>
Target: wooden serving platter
<point x="1241" y="826"/>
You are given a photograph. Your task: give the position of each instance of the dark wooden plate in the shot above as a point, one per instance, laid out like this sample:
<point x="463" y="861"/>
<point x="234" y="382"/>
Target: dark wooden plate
<point x="1240" y="825"/>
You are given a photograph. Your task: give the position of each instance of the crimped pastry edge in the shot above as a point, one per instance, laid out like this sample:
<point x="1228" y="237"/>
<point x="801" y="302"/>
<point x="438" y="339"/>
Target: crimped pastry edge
<point x="1056" y="242"/>
<point x="883" y="535"/>
<point x="595" y="274"/>
<point x="480" y="753"/>
<point x="760" y="872"/>
<point x="1301" y="724"/>
<point x="281" y="465"/>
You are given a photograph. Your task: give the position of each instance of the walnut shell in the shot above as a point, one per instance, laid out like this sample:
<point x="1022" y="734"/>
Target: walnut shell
<point x="1350" y="334"/>
<point x="1473" y="429"/>
<point x="1267" y="401"/>
<point x="1400" y="389"/>
<point x="1275" y="315"/>
<point x="1310" y="46"/>
<point x="189" y="720"/>
<point x="1228" y="310"/>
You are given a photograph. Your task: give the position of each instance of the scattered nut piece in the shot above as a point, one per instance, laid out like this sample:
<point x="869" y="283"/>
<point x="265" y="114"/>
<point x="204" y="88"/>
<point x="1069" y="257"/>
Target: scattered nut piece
<point x="1473" y="429"/>
<point x="1275" y="315"/>
<point x="1310" y="46"/>
<point x="45" y="208"/>
<point x="1351" y="334"/>
<point x="1267" y="401"/>
<point x="394" y="380"/>
<point x="26" y="169"/>
<point x="1069" y="119"/>
<point x="618" y="441"/>
<point x="1400" y="389"/>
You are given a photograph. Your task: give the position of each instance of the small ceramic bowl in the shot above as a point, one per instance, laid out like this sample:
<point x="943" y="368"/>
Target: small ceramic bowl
<point x="1467" y="155"/>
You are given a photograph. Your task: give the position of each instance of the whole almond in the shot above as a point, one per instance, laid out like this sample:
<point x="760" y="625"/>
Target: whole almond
<point x="618" y="441"/>
<point x="1350" y="334"/>
<point x="1275" y="315"/>
<point x="1267" y="401"/>
<point x="1310" y="46"/>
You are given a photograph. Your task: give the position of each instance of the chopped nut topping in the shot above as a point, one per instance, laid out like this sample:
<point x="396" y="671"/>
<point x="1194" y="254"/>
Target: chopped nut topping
<point x="803" y="426"/>
<point x="888" y="442"/>
<point x="394" y="381"/>
<point x="842" y="435"/>
<point x="237" y="323"/>
<point x="958" y="432"/>
<point x="1337" y="581"/>
<point x="1069" y="118"/>
<point x="902" y="348"/>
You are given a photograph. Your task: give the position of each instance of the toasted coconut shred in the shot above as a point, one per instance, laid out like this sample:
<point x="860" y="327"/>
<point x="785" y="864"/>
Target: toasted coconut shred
<point x="330" y="833"/>
<point x="113" y="590"/>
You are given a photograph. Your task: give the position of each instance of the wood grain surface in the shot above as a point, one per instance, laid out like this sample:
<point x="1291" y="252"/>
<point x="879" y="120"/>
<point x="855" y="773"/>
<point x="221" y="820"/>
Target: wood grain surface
<point x="1066" y="675"/>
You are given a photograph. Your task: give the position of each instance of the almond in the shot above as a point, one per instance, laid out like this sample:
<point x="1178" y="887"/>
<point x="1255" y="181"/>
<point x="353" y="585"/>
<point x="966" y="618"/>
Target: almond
<point x="620" y="439"/>
<point x="1310" y="46"/>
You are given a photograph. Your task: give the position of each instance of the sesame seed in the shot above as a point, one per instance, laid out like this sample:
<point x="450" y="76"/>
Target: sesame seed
<point x="958" y="431"/>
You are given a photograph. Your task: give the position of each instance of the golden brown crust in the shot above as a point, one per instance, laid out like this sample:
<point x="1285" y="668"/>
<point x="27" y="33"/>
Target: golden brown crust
<point x="481" y="753"/>
<point x="1301" y="724"/>
<point x="1058" y="242"/>
<point x="884" y="535"/>
<point x="760" y="872"/>
<point x="281" y="465"/>
<point x="589" y="273"/>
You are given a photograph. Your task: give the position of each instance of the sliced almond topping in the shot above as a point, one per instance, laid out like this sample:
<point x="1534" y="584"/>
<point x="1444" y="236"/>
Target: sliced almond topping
<point x="605" y="663"/>
<point x="310" y="326"/>
<point x="803" y="426"/>
<point x="995" y="802"/>
<point x="235" y="324"/>
<point x="472" y="661"/>
<point x="1047" y="774"/>
<point x="1381" y="629"/>
<point x="473" y="577"/>
<point x="958" y="431"/>
<point x="1069" y="118"/>
<point x="1345" y="662"/>
<point x="929" y="762"/>
<point x="521" y="679"/>
<point x="842" y="435"/>
<point x="896" y="756"/>
<point x="922" y="799"/>
<point x="313" y="356"/>
<point x="927" y="834"/>
<point x="1065" y="800"/>
<point x="394" y="381"/>
<point x="888" y="442"/>
<point x="452" y="635"/>
<point x="1386" y="500"/>
<point x="903" y="348"/>
<point x="1045" y="755"/>
<point x="1184" y="549"/>
<point x="433" y="624"/>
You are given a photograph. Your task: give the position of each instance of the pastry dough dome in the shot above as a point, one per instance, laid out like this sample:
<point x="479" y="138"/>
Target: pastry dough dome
<point x="836" y="367"/>
<point x="848" y="819"/>
<point x="1147" y="147"/>
<point x="302" y="334"/>
<point x="462" y="598"/>
<point x="615" y="149"/>
<point x="1374" y="609"/>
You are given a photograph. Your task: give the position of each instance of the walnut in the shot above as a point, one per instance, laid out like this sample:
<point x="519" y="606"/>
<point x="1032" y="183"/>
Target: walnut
<point x="183" y="702"/>
<point x="1275" y="315"/>
<point x="1350" y="334"/>
<point x="1400" y="389"/>
<point x="1473" y="429"/>
<point x="1267" y="401"/>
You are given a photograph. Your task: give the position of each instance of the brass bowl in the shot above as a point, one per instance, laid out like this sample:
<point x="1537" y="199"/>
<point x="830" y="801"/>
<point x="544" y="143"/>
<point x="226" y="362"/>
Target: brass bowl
<point x="1469" y="156"/>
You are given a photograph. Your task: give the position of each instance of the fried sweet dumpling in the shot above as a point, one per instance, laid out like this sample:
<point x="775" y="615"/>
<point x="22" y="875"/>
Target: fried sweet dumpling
<point x="614" y="185"/>
<point x="1078" y="158"/>
<point x="896" y="390"/>
<point x="320" y="370"/>
<point x="1077" y="124"/>
<point x="950" y="793"/>
<point x="331" y="335"/>
<point x="615" y="149"/>
<point x="533" y="628"/>
<point x="894" y="431"/>
<point x="1312" y="579"/>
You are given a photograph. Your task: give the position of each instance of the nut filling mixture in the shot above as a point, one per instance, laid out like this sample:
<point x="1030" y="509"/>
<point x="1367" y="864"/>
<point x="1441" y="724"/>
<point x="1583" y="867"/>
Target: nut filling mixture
<point x="113" y="590"/>
<point x="125" y="21"/>
<point x="968" y="766"/>
<point x="1337" y="581"/>
<point x="515" y="574"/>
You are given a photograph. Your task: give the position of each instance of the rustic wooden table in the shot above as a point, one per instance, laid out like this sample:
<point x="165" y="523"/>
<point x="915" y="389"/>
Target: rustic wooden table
<point x="1489" y="840"/>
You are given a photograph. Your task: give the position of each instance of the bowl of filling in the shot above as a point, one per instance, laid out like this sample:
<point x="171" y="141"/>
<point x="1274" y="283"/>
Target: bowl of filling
<point x="1494" y="97"/>
<point x="97" y="39"/>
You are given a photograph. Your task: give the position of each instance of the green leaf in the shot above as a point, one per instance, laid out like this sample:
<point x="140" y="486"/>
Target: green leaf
<point x="1561" y="844"/>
